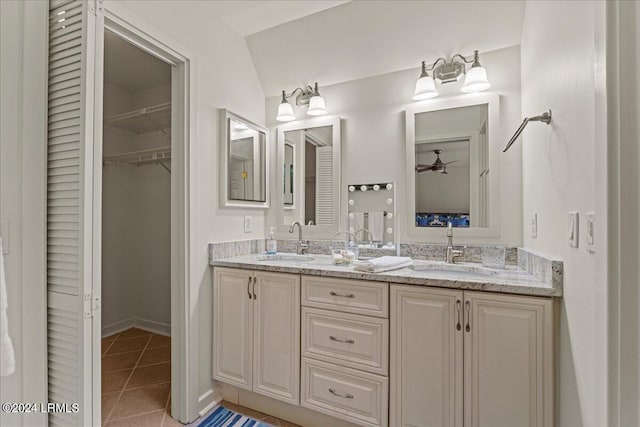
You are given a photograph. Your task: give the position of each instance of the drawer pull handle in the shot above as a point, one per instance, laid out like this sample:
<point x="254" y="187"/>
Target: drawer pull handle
<point x="249" y="284"/>
<point x="458" y="304"/>
<point x="347" y="341"/>
<point x="254" y="288"/>
<point x="345" y="396"/>
<point x="333" y="294"/>
<point x="467" y="306"/>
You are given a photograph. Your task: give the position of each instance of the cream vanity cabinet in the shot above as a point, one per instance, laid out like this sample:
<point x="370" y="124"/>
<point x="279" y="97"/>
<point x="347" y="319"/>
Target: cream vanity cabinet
<point x="463" y="358"/>
<point x="345" y="349"/>
<point x="256" y="331"/>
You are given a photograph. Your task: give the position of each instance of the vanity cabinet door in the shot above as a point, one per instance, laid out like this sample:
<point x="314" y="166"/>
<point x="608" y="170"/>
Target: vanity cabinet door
<point x="232" y="327"/>
<point x="508" y="360"/>
<point x="276" y="349"/>
<point x="426" y="357"/>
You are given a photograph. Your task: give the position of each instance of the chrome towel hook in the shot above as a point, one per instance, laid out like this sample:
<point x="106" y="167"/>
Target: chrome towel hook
<point x="544" y="117"/>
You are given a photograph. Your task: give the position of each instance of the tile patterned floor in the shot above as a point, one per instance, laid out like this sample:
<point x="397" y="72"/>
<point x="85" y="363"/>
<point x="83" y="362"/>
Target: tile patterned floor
<point x="136" y="380"/>
<point x="136" y="383"/>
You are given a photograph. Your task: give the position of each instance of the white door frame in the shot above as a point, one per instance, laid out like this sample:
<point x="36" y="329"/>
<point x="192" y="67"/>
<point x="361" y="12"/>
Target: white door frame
<point x="183" y="363"/>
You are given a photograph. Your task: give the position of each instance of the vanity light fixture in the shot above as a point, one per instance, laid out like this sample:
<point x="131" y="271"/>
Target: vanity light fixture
<point x="451" y="71"/>
<point x="307" y="97"/>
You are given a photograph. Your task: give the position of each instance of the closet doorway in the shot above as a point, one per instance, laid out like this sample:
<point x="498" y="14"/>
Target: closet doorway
<point x="136" y="235"/>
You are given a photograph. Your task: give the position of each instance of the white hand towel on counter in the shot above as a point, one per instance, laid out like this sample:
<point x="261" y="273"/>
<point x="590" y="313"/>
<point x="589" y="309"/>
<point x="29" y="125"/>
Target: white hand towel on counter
<point x="376" y="225"/>
<point x="383" y="263"/>
<point x="7" y="357"/>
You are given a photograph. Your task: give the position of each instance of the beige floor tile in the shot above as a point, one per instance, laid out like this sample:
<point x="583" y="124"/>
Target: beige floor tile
<point x="141" y="400"/>
<point x="120" y="361"/>
<point x="153" y="419"/>
<point x="153" y="356"/>
<point x="108" y="401"/>
<point x="159" y="341"/>
<point x="148" y="375"/>
<point x="114" y="381"/>
<point x="127" y="345"/>
<point x="133" y="333"/>
<point x="170" y="422"/>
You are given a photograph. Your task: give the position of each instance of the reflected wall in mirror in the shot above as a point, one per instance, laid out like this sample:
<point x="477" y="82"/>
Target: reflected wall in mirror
<point x="451" y="171"/>
<point x="244" y="162"/>
<point x="309" y="165"/>
<point x="452" y="165"/>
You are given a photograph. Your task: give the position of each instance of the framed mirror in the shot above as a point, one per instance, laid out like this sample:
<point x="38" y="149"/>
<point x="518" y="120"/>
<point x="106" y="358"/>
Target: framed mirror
<point x="244" y="166"/>
<point x="452" y="166"/>
<point x="309" y="175"/>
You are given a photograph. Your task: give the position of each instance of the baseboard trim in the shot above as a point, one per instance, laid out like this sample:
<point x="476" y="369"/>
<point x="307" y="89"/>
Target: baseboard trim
<point x="137" y="322"/>
<point x="153" y="326"/>
<point x="209" y="399"/>
<point x="116" y="327"/>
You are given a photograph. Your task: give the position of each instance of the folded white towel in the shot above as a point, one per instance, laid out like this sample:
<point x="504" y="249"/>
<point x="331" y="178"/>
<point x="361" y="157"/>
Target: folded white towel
<point x="7" y="357"/>
<point x="383" y="263"/>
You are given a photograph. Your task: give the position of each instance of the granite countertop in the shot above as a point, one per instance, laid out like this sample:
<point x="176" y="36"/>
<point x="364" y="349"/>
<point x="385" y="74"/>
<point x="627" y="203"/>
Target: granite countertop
<point x="465" y="276"/>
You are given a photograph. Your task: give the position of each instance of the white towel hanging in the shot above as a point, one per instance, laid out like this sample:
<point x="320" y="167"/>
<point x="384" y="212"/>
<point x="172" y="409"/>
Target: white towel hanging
<point x="7" y="357"/>
<point x="376" y="225"/>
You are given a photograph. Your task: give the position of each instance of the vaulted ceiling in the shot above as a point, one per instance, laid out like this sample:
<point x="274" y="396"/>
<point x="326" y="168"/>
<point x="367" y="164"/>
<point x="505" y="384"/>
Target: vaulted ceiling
<point x="332" y="42"/>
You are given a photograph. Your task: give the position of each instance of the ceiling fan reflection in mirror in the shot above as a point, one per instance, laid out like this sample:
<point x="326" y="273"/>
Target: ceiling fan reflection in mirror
<point x="437" y="166"/>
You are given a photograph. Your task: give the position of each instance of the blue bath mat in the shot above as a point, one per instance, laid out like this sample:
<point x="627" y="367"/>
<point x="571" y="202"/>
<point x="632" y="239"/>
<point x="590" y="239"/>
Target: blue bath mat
<point x="223" y="417"/>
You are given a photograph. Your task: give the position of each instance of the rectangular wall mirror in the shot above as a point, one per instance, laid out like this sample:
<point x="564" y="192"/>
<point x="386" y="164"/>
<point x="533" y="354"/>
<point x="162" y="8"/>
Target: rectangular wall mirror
<point x="452" y="165"/>
<point x="243" y="162"/>
<point x="309" y="171"/>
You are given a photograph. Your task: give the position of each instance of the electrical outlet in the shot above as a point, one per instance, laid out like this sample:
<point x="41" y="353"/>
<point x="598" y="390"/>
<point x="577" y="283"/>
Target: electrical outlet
<point x="534" y="225"/>
<point x="591" y="226"/>
<point x="248" y="223"/>
<point x="573" y="229"/>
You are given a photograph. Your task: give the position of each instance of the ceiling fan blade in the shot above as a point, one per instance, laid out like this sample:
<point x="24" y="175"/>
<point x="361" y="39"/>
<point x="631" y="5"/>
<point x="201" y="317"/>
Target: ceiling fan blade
<point x="448" y="163"/>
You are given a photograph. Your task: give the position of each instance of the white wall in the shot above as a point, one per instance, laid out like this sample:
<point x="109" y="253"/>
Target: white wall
<point x="23" y="49"/>
<point x="223" y="77"/>
<point x="563" y="170"/>
<point x="373" y="134"/>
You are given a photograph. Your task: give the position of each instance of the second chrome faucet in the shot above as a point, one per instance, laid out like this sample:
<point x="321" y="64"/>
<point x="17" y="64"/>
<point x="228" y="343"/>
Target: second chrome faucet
<point x="452" y="253"/>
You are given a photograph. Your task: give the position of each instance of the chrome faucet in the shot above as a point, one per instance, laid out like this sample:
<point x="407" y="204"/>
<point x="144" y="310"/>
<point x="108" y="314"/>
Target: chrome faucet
<point x="302" y="245"/>
<point x="452" y="253"/>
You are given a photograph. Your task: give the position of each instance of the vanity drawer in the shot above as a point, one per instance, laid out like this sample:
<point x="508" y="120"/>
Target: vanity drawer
<point x="353" y="296"/>
<point x="355" y="396"/>
<point x="352" y="340"/>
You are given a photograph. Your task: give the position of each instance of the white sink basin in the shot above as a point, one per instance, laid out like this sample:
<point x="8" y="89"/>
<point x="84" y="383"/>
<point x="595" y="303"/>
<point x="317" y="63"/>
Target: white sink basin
<point x="285" y="257"/>
<point x="444" y="269"/>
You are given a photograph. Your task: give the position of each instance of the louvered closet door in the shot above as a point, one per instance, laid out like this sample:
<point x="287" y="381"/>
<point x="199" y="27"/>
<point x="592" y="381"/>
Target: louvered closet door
<point x="324" y="185"/>
<point x="70" y="141"/>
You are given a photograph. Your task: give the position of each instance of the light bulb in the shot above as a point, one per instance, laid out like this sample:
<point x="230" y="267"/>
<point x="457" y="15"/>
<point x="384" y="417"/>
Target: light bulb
<point x="316" y="106"/>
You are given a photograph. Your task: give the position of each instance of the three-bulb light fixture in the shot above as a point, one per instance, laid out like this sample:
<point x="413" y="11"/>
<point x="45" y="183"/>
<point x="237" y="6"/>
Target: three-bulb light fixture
<point x="444" y="71"/>
<point x="308" y="96"/>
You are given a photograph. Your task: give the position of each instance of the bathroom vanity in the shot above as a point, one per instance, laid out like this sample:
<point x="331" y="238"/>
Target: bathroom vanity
<point x="434" y="344"/>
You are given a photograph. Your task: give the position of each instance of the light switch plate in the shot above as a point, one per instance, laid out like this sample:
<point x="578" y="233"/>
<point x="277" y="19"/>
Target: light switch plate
<point x="4" y="233"/>
<point x="534" y="225"/>
<point x="573" y="229"/>
<point x="591" y="230"/>
<point x="248" y="223"/>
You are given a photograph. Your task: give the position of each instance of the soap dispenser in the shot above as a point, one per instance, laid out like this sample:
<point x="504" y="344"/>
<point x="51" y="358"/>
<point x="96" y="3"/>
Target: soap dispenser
<point x="272" y="243"/>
